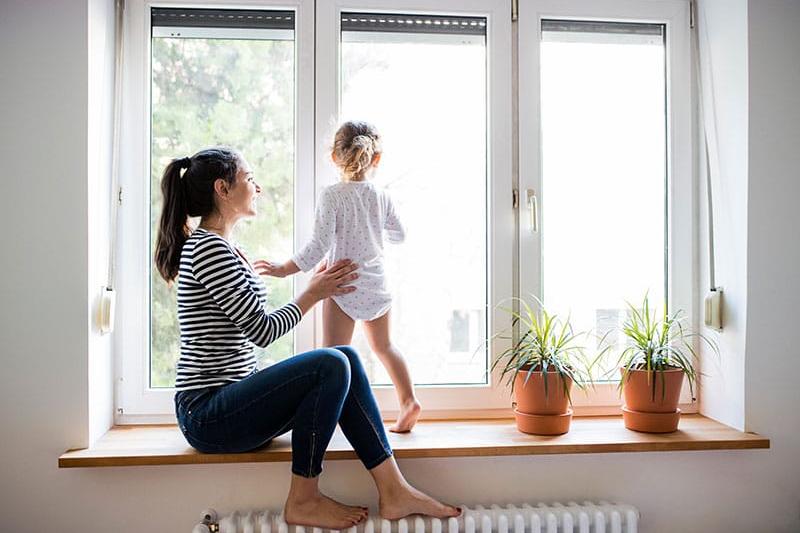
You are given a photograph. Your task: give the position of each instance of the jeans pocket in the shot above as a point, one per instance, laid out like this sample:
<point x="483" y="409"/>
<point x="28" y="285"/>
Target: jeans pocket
<point x="192" y="404"/>
<point x="180" y="403"/>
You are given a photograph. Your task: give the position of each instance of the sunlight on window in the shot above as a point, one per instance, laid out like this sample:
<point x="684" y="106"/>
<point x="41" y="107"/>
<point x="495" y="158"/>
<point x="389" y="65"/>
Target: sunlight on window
<point x="604" y="171"/>
<point x="426" y="94"/>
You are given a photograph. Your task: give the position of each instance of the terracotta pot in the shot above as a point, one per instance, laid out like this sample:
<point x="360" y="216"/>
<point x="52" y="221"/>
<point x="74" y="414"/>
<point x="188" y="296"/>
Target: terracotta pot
<point x="538" y="413"/>
<point x="649" y="410"/>
<point x="651" y="422"/>
<point x="638" y="390"/>
<point x="543" y="424"/>
<point x="531" y="397"/>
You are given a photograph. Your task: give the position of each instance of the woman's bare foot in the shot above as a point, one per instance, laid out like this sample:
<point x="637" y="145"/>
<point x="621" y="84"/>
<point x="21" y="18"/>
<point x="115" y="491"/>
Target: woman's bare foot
<point x="321" y="511"/>
<point x="409" y="413"/>
<point x="407" y="500"/>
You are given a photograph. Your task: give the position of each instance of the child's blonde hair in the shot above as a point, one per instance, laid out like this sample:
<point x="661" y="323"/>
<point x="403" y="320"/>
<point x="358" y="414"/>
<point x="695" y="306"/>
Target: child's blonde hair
<point x="355" y="146"/>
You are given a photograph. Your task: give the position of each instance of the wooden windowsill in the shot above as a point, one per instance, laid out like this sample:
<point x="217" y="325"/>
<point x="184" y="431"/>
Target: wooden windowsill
<point x="165" y="445"/>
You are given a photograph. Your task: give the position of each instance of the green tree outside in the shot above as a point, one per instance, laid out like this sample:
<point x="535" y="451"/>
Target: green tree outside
<point x="238" y="93"/>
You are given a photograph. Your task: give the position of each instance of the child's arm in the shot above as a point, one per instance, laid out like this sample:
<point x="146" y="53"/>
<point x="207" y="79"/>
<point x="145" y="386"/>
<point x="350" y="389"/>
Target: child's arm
<point x="322" y="237"/>
<point x="395" y="231"/>
<point x="276" y="270"/>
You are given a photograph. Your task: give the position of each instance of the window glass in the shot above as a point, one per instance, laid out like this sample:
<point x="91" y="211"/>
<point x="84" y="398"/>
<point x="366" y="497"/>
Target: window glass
<point x="604" y="195"/>
<point x="421" y="80"/>
<point x="219" y="82"/>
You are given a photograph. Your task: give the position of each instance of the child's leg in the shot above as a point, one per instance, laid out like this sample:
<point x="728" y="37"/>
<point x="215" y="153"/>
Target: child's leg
<point x="377" y="332"/>
<point x="337" y="327"/>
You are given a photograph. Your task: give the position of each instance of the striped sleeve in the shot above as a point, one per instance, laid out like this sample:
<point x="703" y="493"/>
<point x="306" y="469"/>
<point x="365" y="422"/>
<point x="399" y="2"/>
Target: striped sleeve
<point x="216" y="267"/>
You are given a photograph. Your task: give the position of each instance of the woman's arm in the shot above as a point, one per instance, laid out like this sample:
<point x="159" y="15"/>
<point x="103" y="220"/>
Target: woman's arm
<point x="327" y="282"/>
<point x="217" y="268"/>
<point x="265" y="268"/>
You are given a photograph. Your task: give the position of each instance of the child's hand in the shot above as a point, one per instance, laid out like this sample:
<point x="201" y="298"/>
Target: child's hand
<point x="276" y="270"/>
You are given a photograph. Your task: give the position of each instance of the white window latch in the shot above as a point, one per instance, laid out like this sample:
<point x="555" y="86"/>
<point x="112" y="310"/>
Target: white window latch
<point x="533" y="209"/>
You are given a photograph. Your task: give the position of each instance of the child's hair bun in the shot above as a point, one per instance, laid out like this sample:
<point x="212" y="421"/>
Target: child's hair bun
<point x="363" y="140"/>
<point x="355" y="145"/>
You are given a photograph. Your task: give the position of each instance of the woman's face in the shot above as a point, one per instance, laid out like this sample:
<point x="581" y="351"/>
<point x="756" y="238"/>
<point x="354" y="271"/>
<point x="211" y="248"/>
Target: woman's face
<point x="244" y="193"/>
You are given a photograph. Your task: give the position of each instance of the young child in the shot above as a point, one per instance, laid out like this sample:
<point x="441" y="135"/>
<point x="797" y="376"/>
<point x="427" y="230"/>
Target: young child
<point x="350" y="220"/>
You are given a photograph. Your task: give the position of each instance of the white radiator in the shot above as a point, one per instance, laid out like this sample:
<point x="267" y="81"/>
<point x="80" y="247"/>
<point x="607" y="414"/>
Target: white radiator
<point x="587" y="517"/>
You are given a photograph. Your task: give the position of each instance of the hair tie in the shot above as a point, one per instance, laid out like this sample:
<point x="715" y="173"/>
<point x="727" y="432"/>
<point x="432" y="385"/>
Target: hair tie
<point x="186" y="162"/>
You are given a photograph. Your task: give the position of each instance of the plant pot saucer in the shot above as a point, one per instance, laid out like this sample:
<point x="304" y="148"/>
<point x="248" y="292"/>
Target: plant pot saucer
<point x="651" y="422"/>
<point x="543" y="424"/>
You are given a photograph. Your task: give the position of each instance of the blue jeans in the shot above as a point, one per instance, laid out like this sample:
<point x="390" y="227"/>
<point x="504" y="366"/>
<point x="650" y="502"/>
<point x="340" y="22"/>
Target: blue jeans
<point x="308" y="393"/>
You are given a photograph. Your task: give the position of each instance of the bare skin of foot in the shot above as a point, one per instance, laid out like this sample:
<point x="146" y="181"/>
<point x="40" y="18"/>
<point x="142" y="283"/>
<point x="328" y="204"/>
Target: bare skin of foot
<point x="397" y="498"/>
<point x="322" y="512"/>
<point x="409" y="501"/>
<point x="307" y="506"/>
<point x="407" y="419"/>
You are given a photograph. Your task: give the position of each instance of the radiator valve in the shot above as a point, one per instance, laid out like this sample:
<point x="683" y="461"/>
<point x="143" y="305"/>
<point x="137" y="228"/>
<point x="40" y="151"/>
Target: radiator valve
<point x="209" y="523"/>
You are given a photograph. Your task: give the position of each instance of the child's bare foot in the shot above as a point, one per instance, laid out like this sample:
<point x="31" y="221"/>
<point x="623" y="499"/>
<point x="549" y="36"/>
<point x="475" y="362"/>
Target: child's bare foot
<point x="321" y="511"/>
<point x="409" y="413"/>
<point x="408" y="501"/>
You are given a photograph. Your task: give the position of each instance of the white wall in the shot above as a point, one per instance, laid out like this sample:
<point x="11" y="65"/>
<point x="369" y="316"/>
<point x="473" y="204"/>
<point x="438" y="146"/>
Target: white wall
<point x="47" y="284"/>
<point x="43" y="264"/>
<point x="772" y="393"/>
<point x="723" y="43"/>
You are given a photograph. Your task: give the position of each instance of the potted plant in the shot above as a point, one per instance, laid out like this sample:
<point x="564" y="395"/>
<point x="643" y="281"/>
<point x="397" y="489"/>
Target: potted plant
<point x="652" y="368"/>
<point x="542" y="366"/>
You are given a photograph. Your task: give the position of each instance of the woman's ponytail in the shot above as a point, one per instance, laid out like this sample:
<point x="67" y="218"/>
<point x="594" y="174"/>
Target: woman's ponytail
<point x="173" y="229"/>
<point x="190" y="195"/>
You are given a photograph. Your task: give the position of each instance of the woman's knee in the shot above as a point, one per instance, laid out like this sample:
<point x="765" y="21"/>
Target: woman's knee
<point x="334" y="364"/>
<point x="350" y="353"/>
<point x="356" y="367"/>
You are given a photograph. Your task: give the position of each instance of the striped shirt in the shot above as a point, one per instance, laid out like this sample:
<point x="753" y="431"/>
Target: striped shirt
<point x="221" y="314"/>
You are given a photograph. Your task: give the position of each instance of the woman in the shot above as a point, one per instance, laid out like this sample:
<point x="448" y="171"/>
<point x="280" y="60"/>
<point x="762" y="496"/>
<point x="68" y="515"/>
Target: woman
<point x="222" y="403"/>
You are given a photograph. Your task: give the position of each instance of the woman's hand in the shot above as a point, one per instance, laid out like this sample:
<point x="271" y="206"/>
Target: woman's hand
<point x="328" y="281"/>
<point x="331" y="281"/>
<point x="276" y="270"/>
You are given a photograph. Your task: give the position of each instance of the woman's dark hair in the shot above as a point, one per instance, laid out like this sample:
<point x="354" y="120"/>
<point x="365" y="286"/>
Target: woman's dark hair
<point x="189" y="195"/>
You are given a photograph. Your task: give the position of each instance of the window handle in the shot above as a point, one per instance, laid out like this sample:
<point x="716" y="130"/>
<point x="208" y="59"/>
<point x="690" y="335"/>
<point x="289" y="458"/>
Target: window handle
<point x="533" y="209"/>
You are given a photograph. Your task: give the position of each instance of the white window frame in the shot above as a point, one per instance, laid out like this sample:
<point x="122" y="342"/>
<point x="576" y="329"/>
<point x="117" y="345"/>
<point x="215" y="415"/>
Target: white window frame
<point x="136" y="402"/>
<point x="444" y="401"/>
<point x="317" y="94"/>
<point x="682" y="219"/>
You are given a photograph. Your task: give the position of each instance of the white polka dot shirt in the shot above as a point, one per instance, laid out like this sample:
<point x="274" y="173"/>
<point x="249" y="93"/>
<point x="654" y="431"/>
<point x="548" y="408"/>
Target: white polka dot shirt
<point x="351" y="221"/>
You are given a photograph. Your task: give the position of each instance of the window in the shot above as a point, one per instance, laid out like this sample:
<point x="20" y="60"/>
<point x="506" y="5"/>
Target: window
<point x="605" y="167"/>
<point x="603" y="170"/>
<point x="197" y="76"/>
<point x="604" y="181"/>
<point x="432" y="71"/>
<point x="437" y="85"/>
<point x="223" y="77"/>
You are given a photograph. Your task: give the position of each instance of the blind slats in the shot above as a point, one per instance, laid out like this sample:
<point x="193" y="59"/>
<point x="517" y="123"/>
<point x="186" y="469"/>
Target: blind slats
<point x="222" y="18"/>
<point x="586" y="26"/>
<point x="402" y="23"/>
